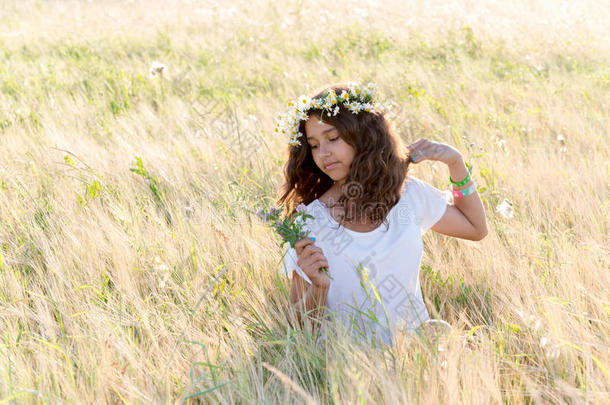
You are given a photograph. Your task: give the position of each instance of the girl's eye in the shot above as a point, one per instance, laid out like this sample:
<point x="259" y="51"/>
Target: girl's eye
<point x="332" y="140"/>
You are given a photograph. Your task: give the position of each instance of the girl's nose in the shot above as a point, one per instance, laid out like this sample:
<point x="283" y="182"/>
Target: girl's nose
<point x="324" y="150"/>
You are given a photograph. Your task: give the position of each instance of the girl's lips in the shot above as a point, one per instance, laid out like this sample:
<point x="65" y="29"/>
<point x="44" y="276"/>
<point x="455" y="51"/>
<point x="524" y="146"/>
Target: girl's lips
<point x="331" y="166"/>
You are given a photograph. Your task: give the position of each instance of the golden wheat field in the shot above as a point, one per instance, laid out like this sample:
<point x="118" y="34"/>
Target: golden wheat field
<point x="136" y="142"/>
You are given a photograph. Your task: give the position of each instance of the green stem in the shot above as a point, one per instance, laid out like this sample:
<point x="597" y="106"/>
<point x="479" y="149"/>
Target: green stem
<point x="325" y="271"/>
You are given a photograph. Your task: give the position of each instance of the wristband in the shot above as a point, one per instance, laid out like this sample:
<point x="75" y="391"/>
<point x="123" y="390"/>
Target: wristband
<point x="461" y="183"/>
<point x="463" y="193"/>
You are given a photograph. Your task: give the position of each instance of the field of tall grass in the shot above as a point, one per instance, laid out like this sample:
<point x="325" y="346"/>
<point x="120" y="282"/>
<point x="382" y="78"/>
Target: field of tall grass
<point x="132" y="268"/>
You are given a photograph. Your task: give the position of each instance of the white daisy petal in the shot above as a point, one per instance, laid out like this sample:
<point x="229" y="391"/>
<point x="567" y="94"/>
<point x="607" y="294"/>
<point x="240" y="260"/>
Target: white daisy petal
<point x="505" y="208"/>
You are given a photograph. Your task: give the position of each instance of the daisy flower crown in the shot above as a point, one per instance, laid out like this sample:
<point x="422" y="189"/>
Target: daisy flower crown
<point x="357" y="98"/>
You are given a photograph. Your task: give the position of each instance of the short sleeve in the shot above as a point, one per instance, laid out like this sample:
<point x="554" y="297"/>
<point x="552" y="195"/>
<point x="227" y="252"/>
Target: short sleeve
<point x="290" y="263"/>
<point x="433" y="203"/>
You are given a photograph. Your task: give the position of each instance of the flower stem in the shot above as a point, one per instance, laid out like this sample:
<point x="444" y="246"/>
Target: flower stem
<point x="325" y="271"/>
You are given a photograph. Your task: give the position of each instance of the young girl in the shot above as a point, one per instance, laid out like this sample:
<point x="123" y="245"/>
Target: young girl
<point x="349" y="169"/>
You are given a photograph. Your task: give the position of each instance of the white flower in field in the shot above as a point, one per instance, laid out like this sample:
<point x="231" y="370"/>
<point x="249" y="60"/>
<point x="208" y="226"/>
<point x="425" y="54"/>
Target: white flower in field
<point x="164" y="281"/>
<point x="157" y="68"/>
<point x="560" y="138"/>
<point x="505" y="208"/>
<point x="159" y="265"/>
<point x="553" y="352"/>
<point x="502" y="143"/>
<point x="543" y="341"/>
<point x="536" y="325"/>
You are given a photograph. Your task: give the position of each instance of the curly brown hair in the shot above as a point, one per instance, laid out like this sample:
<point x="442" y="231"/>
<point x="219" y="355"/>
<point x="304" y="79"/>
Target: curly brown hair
<point x="378" y="169"/>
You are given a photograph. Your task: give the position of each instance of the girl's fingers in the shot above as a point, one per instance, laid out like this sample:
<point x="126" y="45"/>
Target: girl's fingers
<point x="418" y="155"/>
<point x="417" y="143"/>
<point x="310" y="250"/>
<point x="316" y="259"/>
<point x="430" y="151"/>
<point x="302" y="244"/>
<point x="423" y="151"/>
<point x="417" y="150"/>
<point x="321" y="264"/>
<point x="309" y="254"/>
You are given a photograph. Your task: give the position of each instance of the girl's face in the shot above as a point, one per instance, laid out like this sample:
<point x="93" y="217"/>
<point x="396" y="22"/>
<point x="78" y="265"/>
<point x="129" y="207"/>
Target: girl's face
<point x="330" y="152"/>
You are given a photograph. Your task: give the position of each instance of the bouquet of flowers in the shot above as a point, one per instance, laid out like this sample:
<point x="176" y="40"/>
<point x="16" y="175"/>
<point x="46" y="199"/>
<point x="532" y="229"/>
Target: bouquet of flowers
<point x="290" y="229"/>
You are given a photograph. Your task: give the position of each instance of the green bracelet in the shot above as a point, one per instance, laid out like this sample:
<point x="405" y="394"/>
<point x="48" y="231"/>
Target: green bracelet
<point x="461" y="183"/>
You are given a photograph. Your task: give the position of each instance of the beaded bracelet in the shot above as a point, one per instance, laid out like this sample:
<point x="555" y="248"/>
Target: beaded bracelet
<point x="463" y="193"/>
<point x="461" y="183"/>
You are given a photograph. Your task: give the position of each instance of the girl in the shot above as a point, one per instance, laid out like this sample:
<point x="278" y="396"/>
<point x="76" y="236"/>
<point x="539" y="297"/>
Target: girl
<point x="349" y="169"/>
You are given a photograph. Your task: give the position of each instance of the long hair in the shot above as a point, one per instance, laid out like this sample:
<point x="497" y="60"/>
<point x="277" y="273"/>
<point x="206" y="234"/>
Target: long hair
<point x="376" y="175"/>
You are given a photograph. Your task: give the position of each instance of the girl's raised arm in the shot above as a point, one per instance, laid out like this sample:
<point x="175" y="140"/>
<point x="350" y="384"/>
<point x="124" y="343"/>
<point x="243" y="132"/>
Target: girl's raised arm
<point x="466" y="217"/>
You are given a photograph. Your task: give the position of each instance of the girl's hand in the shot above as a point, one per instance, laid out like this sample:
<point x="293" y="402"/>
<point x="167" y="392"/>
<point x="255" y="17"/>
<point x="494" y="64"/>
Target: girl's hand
<point x="425" y="149"/>
<point x="310" y="259"/>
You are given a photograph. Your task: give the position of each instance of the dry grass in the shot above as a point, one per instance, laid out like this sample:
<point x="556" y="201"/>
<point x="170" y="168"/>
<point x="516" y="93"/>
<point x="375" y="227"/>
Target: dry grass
<point x="158" y="285"/>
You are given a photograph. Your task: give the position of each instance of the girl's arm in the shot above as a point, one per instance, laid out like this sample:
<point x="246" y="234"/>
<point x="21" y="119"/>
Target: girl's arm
<point x="307" y="299"/>
<point x="466" y="217"/>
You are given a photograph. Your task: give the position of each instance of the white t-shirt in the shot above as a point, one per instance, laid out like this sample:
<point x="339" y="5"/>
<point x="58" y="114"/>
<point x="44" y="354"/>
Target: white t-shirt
<point x="392" y="257"/>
